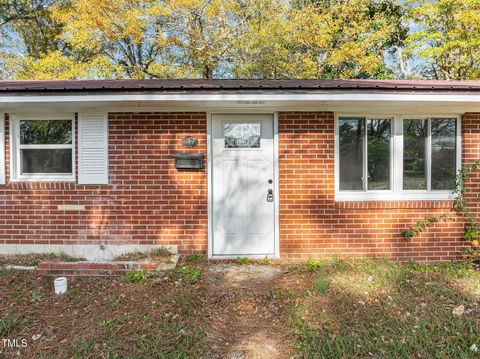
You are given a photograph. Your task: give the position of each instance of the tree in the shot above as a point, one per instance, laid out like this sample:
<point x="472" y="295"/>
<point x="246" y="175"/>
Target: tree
<point x="28" y="33"/>
<point x="320" y="39"/>
<point x="62" y="39"/>
<point x="446" y="37"/>
<point x="151" y="39"/>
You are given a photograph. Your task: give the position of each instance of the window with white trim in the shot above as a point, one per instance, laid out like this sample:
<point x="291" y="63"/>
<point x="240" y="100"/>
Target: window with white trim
<point x="43" y="149"/>
<point x="386" y="157"/>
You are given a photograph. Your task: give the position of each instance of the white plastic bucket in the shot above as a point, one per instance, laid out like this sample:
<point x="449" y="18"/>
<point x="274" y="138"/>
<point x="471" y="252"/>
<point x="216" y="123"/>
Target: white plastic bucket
<point x="60" y="285"/>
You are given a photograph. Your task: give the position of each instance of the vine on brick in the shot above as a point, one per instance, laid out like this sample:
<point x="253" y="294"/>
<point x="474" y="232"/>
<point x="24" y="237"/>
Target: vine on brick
<point x="461" y="208"/>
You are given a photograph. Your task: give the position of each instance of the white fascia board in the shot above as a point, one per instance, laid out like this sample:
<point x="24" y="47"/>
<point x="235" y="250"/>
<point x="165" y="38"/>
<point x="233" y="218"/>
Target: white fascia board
<point x="363" y="97"/>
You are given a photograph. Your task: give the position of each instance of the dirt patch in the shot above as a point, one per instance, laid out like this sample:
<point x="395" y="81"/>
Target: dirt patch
<point x="247" y="319"/>
<point x="239" y="276"/>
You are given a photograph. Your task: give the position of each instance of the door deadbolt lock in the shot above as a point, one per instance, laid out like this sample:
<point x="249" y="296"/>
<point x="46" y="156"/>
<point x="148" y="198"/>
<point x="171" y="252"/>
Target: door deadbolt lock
<point x="270" y="195"/>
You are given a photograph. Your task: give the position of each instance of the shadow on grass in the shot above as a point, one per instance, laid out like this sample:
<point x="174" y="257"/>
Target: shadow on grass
<point x="386" y="310"/>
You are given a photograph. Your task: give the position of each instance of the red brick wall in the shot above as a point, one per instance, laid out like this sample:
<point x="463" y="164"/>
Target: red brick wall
<point x="147" y="201"/>
<point x="471" y="152"/>
<point x="313" y="224"/>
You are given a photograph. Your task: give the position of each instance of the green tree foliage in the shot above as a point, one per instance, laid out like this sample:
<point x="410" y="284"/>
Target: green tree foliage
<point x="63" y="39"/>
<point x="447" y="38"/>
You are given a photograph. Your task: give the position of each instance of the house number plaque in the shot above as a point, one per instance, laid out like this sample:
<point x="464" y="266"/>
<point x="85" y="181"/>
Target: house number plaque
<point x="190" y="141"/>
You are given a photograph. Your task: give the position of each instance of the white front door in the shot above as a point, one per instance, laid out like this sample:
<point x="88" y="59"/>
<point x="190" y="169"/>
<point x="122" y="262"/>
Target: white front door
<point x="243" y="205"/>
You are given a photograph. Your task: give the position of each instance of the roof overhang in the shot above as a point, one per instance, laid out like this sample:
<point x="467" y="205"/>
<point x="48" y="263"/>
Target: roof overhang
<point x="344" y="96"/>
<point x="336" y="102"/>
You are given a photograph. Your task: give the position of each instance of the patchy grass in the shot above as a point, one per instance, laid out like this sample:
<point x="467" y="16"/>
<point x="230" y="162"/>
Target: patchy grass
<point x="189" y="275"/>
<point x="330" y="309"/>
<point x="385" y="310"/>
<point x="12" y="325"/>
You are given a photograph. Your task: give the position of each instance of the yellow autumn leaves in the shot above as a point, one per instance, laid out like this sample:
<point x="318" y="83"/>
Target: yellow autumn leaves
<point x="241" y="38"/>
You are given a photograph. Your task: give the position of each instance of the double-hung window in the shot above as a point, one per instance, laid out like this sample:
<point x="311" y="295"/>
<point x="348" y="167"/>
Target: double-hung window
<point x="395" y="158"/>
<point x="43" y="149"/>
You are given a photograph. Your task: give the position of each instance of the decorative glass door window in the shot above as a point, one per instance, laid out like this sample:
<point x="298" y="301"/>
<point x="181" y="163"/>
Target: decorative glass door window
<point x="242" y="135"/>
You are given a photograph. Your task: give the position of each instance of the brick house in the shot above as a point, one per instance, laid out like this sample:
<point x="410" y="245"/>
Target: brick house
<point x="278" y="168"/>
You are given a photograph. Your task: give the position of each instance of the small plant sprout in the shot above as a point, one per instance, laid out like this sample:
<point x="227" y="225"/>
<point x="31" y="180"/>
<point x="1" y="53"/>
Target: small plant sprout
<point x="312" y="265"/>
<point x="243" y="260"/>
<point x="107" y="323"/>
<point x="37" y="297"/>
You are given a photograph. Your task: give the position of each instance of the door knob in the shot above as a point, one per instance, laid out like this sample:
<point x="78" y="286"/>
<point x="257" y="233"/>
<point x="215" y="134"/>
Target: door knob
<point x="270" y="195"/>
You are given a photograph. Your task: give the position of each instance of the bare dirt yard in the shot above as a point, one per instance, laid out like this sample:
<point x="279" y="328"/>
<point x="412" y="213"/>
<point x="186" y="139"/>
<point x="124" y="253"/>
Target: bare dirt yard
<point x="328" y="309"/>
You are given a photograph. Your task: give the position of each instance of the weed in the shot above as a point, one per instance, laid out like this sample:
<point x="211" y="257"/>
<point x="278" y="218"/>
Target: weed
<point x="37" y="297"/>
<point x="189" y="275"/>
<point x="32" y="263"/>
<point x="107" y="323"/>
<point x="243" y="260"/>
<point x="312" y="265"/>
<point x="194" y="258"/>
<point x="321" y="285"/>
<point x="152" y="254"/>
<point x="114" y="302"/>
<point x="138" y="276"/>
<point x="76" y="296"/>
<point x="160" y="252"/>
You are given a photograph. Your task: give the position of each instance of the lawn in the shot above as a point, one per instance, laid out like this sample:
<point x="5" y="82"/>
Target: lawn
<point x="328" y="309"/>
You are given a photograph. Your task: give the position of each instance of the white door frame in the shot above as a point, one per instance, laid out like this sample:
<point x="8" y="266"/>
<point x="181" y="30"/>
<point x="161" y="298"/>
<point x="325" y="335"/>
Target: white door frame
<point x="210" y="182"/>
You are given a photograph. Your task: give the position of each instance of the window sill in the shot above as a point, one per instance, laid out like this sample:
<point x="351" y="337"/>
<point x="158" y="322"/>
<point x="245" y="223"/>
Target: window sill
<point x="48" y="179"/>
<point x="389" y="196"/>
